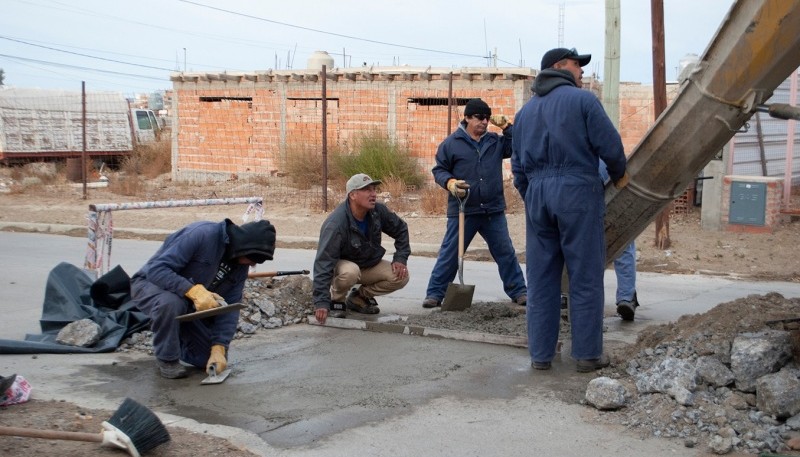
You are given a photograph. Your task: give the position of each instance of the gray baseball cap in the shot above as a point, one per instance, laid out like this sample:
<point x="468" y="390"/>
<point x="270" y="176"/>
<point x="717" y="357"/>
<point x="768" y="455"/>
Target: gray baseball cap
<point x="360" y="181"/>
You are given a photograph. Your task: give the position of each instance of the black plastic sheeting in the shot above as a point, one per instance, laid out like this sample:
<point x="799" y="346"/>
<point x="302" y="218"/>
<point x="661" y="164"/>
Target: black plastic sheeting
<point x="71" y="295"/>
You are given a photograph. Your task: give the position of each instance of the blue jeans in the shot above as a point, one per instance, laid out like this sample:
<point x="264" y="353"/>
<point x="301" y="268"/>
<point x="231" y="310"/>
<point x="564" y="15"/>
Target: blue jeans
<point x="494" y="230"/>
<point x="625" y="264"/>
<point x="625" y="268"/>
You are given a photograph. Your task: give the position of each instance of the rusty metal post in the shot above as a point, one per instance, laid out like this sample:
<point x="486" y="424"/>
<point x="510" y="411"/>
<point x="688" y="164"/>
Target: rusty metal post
<point x="324" y="139"/>
<point x="449" y="105"/>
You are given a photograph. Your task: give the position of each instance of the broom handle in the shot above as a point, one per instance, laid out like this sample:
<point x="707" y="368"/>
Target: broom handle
<point x="272" y="274"/>
<point x="51" y="434"/>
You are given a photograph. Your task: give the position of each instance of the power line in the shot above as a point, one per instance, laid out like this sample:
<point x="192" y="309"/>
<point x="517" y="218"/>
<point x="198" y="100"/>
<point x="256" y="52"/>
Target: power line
<point x="249" y="16"/>
<point x="85" y="55"/>
<point x="63" y="65"/>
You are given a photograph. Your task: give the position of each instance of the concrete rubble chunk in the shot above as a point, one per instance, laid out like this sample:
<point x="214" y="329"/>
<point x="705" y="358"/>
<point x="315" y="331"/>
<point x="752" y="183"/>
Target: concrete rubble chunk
<point x="756" y="354"/>
<point x="81" y="333"/>
<point x="667" y="376"/>
<point x="778" y="394"/>
<point x="713" y="372"/>
<point x="606" y="393"/>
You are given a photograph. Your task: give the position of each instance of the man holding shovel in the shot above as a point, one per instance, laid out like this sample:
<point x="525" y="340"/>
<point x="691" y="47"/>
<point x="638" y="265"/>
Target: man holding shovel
<point x="350" y="253"/>
<point x="472" y="158"/>
<point x="195" y="269"/>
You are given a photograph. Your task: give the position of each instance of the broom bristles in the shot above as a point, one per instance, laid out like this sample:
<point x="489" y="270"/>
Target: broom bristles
<point x="141" y="425"/>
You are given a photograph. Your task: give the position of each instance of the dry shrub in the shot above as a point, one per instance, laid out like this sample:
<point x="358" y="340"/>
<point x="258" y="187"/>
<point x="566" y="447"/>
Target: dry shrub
<point x="433" y="200"/>
<point x="303" y="163"/>
<point x="125" y="185"/>
<point x="394" y="186"/>
<point x="149" y="160"/>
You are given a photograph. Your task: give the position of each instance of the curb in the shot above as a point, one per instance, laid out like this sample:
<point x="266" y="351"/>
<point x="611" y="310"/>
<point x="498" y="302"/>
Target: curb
<point x="384" y="325"/>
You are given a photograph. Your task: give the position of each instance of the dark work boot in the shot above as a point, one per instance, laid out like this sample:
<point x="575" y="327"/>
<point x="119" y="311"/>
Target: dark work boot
<point x="627" y="308"/>
<point x="361" y="304"/>
<point x="171" y="370"/>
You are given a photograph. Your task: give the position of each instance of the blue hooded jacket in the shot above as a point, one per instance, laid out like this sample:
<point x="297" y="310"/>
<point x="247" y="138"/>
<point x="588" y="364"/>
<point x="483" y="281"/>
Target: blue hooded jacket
<point x="480" y="164"/>
<point x="563" y="129"/>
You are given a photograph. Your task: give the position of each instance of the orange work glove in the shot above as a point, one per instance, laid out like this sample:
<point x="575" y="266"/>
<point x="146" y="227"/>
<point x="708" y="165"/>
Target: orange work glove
<point x="202" y="298"/>
<point x="499" y="121"/>
<point x="217" y="358"/>
<point x="622" y="182"/>
<point x="457" y="186"/>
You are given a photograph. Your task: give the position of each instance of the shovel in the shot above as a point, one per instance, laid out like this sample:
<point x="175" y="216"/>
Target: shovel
<point x="459" y="296"/>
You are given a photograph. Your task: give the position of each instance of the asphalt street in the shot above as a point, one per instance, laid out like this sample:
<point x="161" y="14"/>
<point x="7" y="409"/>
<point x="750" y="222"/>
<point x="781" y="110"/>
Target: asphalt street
<point x="309" y="390"/>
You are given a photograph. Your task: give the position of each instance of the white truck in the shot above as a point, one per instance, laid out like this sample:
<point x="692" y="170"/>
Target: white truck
<point x="38" y="124"/>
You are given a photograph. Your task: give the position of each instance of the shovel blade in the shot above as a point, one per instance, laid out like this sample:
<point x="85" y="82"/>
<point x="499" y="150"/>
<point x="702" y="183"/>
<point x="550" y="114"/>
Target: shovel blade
<point x="458" y="297"/>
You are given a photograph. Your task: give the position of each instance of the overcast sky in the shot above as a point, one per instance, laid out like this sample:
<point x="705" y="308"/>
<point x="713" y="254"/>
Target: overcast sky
<point x="131" y="46"/>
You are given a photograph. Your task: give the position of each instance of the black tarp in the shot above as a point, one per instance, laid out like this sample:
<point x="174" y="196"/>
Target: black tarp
<point x="71" y="295"/>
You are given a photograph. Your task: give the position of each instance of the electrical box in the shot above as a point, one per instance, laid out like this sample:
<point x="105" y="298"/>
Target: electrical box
<point x="748" y="203"/>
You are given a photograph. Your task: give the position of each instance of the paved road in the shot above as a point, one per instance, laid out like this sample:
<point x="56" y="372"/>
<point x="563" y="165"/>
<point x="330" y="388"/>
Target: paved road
<point x="306" y="390"/>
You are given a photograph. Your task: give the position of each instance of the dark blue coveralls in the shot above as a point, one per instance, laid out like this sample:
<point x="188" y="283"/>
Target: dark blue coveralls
<point x="190" y="256"/>
<point x="559" y="136"/>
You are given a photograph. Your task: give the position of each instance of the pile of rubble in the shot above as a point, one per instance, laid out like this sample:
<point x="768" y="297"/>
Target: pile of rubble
<point x="271" y="303"/>
<point x="728" y="378"/>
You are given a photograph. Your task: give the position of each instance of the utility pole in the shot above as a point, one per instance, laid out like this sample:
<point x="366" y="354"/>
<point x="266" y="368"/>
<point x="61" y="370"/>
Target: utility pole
<point x="561" y="7"/>
<point x="611" y="67"/>
<point x="662" y="240"/>
<point x="184" y="60"/>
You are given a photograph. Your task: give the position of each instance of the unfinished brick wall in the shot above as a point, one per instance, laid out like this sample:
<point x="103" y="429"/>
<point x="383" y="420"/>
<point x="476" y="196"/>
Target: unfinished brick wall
<point x="251" y="124"/>
<point x="637" y="111"/>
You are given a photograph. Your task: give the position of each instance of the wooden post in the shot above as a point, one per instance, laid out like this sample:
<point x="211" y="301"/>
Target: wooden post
<point x="662" y="240"/>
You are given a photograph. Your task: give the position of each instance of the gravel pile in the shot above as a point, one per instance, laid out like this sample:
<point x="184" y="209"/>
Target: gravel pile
<point x="720" y="417"/>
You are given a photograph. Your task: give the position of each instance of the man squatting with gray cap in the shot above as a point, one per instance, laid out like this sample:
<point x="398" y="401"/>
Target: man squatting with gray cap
<point x="349" y="252"/>
<point x="196" y="267"/>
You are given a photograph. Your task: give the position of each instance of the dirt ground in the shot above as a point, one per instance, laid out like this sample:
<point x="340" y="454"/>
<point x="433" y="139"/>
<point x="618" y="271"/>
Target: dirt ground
<point x="773" y="256"/>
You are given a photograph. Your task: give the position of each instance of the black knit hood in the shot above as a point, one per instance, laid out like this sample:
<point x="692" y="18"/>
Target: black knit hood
<point x="255" y="240"/>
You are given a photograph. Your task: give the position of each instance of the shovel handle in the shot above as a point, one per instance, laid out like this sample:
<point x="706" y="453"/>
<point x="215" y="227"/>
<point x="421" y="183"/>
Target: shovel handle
<point x="461" y="203"/>
<point x="272" y="274"/>
<point x="51" y="434"/>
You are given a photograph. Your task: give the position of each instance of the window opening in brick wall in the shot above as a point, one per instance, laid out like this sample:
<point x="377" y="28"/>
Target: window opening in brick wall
<point x="319" y="99"/>
<point x="228" y="100"/>
<point x="222" y="99"/>
<point x="437" y="101"/>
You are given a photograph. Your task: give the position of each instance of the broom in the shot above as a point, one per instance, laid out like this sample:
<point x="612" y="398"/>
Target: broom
<point x="133" y="428"/>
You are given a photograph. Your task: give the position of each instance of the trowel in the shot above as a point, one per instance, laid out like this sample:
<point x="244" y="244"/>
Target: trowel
<point x="221" y="309"/>
<point x="214" y="377"/>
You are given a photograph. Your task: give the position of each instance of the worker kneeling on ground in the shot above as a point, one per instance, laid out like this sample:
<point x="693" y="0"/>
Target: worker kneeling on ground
<point x="197" y="268"/>
<point x="349" y="252"/>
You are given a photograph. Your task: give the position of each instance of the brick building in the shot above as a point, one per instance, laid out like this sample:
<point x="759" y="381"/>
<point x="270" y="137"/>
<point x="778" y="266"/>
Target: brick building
<point x="251" y="123"/>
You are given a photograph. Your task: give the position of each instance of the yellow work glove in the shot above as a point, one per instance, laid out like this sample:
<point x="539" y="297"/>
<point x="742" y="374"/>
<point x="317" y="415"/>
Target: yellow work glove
<point x="217" y="358"/>
<point x="457" y="186"/>
<point x="622" y="182"/>
<point x="499" y="121"/>
<point x="202" y="298"/>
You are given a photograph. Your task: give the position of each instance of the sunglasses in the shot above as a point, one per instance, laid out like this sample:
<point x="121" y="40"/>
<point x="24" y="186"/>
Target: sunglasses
<point x="480" y="117"/>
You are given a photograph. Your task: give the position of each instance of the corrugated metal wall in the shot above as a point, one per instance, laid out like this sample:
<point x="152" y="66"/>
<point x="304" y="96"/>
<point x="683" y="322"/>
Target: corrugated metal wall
<point x="747" y="156"/>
